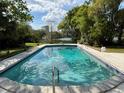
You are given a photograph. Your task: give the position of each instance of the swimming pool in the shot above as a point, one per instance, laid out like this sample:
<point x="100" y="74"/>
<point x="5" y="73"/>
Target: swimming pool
<point x="75" y="65"/>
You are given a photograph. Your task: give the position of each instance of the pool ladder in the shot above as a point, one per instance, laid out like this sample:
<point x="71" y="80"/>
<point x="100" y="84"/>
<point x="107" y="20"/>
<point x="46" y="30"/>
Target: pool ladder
<point x="54" y="69"/>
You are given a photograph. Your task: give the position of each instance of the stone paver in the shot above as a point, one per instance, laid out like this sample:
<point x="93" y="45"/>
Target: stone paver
<point x="3" y="91"/>
<point x="119" y="89"/>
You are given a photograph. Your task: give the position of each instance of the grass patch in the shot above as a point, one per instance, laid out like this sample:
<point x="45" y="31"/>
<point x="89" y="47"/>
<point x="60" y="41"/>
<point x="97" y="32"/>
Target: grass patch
<point x="33" y="44"/>
<point x="5" y="53"/>
<point x="111" y="49"/>
<point x="10" y="52"/>
<point x="116" y="50"/>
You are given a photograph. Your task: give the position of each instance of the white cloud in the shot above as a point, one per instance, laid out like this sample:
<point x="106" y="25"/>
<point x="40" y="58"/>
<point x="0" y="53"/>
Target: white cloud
<point x="55" y="9"/>
<point x="122" y="5"/>
<point x="55" y="14"/>
<point x="34" y="7"/>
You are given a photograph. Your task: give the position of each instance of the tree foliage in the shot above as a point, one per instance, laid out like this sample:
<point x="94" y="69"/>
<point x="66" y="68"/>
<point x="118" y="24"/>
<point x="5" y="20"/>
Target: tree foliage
<point x="13" y="11"/>
<point x="12" y="14"/>
<point x="96" y="21"/>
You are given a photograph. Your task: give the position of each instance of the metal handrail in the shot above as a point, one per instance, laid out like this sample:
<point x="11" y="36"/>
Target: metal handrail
<point x="57" y="74"/>
<point x="7" y="89"/>
<point x="53" y="77"/>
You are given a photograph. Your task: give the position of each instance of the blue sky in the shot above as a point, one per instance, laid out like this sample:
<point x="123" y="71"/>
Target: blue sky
<point x="50" y="10"/>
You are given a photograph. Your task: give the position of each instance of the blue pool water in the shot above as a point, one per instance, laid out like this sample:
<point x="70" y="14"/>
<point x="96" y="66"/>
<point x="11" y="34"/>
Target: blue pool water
<point x="75" y="65"/>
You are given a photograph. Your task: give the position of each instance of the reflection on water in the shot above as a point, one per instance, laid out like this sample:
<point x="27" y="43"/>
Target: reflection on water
<point x="75" y="66"/>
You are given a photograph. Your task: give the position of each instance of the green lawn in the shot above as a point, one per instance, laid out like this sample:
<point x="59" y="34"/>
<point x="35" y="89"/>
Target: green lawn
<point x="112" y="49"/>
<point x="11" y="52"/>
<point x="32" y="44"/>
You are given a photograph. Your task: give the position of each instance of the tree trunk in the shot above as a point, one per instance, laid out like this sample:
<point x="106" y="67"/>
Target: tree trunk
<point x="120" y="36"/>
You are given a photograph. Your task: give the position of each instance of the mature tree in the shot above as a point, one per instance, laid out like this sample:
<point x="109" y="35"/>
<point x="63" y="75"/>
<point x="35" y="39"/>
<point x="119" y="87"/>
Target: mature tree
<point x="119" y="21"/>
<point x="95" y="21"/>
<point x="24" y="33"/>
<point x="106" y="10"/>
<point x="77" y="23"/>
<point x="38" y="35"/>
<point x="83" y="22"/>
<point x="69" y="24"/>
<point x="12" y="13"/>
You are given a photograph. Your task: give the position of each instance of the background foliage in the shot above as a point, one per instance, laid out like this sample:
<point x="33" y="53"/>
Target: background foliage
<point x="96" y="22"/>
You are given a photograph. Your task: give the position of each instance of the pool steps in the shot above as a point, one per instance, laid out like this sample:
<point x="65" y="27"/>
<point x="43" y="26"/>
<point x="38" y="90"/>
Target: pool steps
<point x="53" y="77"/>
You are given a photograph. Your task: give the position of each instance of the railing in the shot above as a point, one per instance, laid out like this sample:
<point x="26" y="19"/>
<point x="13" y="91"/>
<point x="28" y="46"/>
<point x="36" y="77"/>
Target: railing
<point x="7" y="90"/>
<point x="53" y="77"/>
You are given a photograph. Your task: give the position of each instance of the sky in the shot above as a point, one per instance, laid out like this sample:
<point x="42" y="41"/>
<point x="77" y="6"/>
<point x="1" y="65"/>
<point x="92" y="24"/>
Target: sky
<point x="44" y="11"/>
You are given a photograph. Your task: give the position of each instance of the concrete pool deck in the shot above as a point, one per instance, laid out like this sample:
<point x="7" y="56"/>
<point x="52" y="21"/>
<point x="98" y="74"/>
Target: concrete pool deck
<point x="116" y="60"/>
<point x="113" y="59"/>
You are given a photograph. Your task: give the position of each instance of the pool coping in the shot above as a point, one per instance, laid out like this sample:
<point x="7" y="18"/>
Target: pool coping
<point x="105" y="61"/>
<point x="13" y="86"/>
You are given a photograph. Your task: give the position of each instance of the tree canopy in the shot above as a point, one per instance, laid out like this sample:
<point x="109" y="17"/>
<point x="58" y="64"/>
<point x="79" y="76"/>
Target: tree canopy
<point x="96" y="21"/>
<point x="12" y="13"/>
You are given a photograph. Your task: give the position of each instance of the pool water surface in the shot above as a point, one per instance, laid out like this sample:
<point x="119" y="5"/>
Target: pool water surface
<point x="75" y="67"/>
